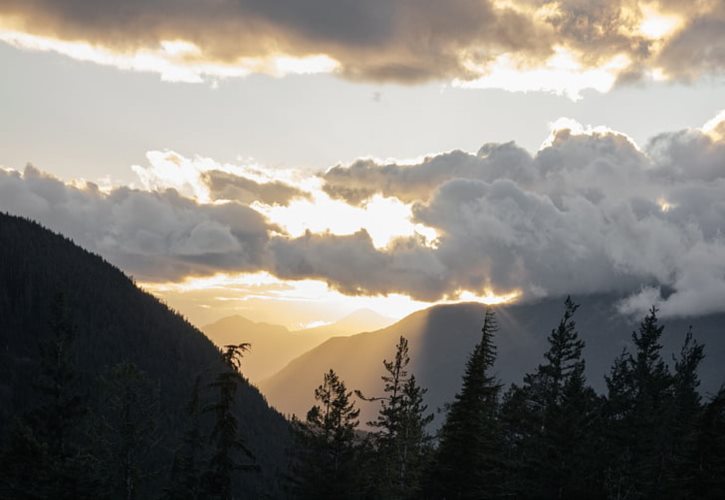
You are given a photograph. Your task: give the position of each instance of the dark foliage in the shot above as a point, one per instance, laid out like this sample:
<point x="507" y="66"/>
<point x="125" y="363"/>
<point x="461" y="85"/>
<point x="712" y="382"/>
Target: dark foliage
<point x="55" y="358"/>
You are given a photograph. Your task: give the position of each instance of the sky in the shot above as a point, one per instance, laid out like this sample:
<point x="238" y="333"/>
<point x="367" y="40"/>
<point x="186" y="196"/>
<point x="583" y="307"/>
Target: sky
<point x="295" y="161"/>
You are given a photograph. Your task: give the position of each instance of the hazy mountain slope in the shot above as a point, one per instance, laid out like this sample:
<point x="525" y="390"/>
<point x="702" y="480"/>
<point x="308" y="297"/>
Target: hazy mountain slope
<point x="114" y="322"/>
<point x="362" y="320"/>
<point x="273" y="346"/>
<point x="441" y="338"/>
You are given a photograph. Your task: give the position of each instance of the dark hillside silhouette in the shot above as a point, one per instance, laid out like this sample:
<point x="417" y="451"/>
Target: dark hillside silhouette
<point x="113" y="322"/>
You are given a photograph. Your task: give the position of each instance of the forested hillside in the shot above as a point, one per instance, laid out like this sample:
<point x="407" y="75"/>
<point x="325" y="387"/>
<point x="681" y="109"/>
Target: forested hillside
<point x="69" y="319"/>
<point x="442" y="336"/>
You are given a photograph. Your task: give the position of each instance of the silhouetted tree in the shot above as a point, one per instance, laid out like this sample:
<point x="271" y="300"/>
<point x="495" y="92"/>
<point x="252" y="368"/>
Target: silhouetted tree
<point x="44" y="444"/>
<point x="684" y="413"/>
<point x="328" y="435"/>
<point x="128" y="431"/>
<point x="708" y="476"/>
<point x="639" y="397"/>
<point x="549" y="421"/>
<point x="401" y="440"/>
<point x="185" y="481"/>
<point x="228" y="446"/>
<point x="469" y="458"/>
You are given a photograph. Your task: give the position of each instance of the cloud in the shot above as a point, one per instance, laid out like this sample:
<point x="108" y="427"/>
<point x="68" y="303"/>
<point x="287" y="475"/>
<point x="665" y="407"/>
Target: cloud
<point x="590" y="212"/>
<point x="160" y="235"/>
<point x="568" y="44"/>
<point x="363" y="179"/>
<point x="228" y="186"/>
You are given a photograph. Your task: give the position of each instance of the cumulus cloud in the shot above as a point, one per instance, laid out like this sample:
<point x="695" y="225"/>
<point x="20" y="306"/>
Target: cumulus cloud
<point x="153" y="235"/>
<point x="484" y="41"/>
<point x="590" y="212"/>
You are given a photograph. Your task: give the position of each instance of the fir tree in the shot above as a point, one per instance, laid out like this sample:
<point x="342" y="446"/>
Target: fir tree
<point x="128" y="431"/>
<point x="469" y="458"/>
<point x="228" y="446"/>
<point x="708" y="480"/>
<point x="401" y="439"/>
<point x="185" y="472"/>
<point x="549" y="420"/>
<point x="328" y="436"/>
<point x="45" y="443"/>
<point x="639" y="396"/>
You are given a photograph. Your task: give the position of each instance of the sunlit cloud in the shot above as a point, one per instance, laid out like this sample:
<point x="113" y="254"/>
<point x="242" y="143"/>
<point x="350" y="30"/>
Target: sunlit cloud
<point x="235" y="294"/>
<point x="657" y="25"/>
<point x="562" y="74"/>
<point x="173" y="60"/>
<point x="563" y="46"/>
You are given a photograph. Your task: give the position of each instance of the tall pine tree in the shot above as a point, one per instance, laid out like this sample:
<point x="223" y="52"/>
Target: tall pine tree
<point x="639" y="397"/>
<point x="401" y="440"/>
<point x="230" y="453"/>
<point x="549" y="421"/>
<point x="468" y="462"/>
<point x="328" y="467"/>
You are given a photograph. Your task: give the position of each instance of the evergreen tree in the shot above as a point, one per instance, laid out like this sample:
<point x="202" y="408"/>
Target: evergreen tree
<point x="401" y="441"/>
<point x="45" y="443"/>
<point x="228" y="446"/>
<point x="639" y="397"/>
<point x="128" y="427"/>
<point x="469" y="458"/>
<point x="684" y="412"/>
<point x="549" y="421"/>
<point x="708" y="478"/>
<point x="186" y="471"/>
<point x="328" y="438"/>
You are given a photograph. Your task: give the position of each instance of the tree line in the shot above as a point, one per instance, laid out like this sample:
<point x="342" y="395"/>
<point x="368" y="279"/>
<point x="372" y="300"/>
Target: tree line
<point x="650" y="435"/>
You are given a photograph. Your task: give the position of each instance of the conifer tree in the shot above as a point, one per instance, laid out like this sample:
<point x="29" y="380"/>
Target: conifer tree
<point x="186" y="470"/>
<point x="128" y="431"/>
<point x="708" y="475"/>
<point x="45" y="443"/>
<point x="228" y="446"/>
<point x="328" y="438"/>
<point x="549" y="420"/>
<point x="469" y="458"/>
<point x="685" y="410"/>
<point x="639" y="397"/>
<point x="401" y="438"/>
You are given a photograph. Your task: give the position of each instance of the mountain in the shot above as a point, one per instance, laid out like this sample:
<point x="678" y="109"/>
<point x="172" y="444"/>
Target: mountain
<point x="273" y="346"/>
<point x="362" y="320"/>
<point x="442" y="337"/>
<point x="114" y="322"/>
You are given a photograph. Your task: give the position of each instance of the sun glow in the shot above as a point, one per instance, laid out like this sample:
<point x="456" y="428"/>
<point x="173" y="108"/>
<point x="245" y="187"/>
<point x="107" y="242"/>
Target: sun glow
<point x="656" y="25"/>
<point x="385" y="219"/>
<point x="561" y="74"/>
<point x="264" y="297"/>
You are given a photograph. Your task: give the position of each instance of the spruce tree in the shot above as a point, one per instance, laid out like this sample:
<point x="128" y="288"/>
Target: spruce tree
<point x="329" y="443"/>
<point x="708" y="480"/>
<point x="401" y="440"/>
<point x="469" y="458"/>
<point x="684" y="412"/>
<point x="186" y="470"/>
<point x="127" y="431"/>
<point x="45" y="457"/>
<point x="639" y="397"/>
<point x="549" y="421"/>
<point x="219" y="478"/>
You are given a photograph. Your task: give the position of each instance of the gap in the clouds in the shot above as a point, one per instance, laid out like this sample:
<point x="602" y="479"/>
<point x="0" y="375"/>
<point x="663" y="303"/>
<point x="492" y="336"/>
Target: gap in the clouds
<point x="294" y="304"/>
